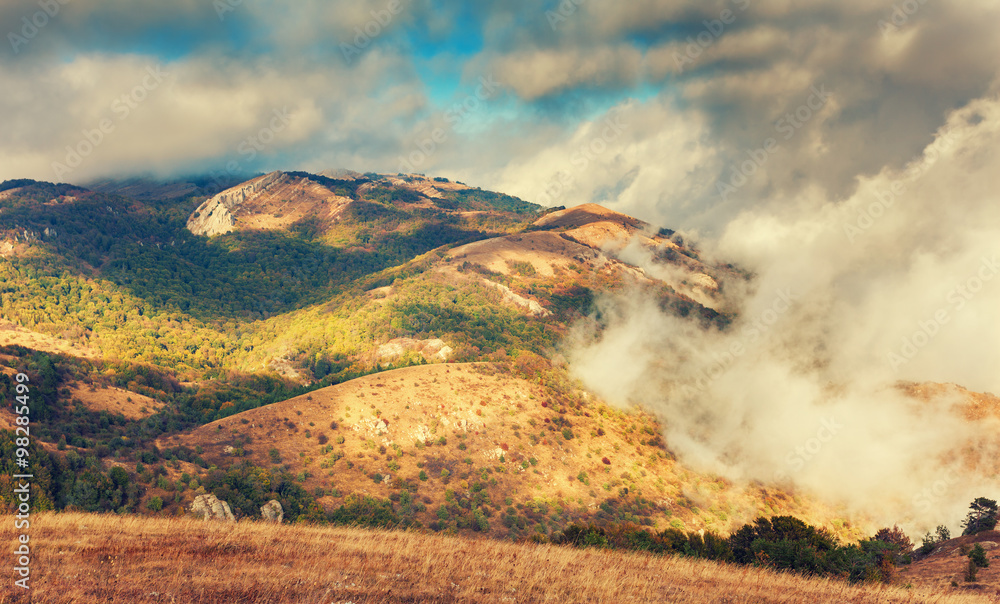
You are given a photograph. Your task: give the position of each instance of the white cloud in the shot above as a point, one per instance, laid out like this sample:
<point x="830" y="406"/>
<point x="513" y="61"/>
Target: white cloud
<point x="815" y="341"/>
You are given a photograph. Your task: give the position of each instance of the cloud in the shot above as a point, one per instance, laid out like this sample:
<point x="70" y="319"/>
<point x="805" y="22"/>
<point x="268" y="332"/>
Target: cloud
<point x="534" y="74"/>
<point x="899" y="282"/>
<point x="194" y="112"/>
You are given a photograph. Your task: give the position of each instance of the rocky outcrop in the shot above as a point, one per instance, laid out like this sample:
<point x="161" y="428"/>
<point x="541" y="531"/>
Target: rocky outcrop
<point x="272" y="512"/>
<point x="216" y="216"/>
<point x="432" y="350"/>
<point x="210" y="507"/>
<point x="532" y="306"/>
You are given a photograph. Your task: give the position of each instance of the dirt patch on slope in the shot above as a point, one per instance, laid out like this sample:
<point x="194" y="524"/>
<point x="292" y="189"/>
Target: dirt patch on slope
<point x="15" y="335"/>
<point x="545" y="251"/>
<point x="115" y="400"/>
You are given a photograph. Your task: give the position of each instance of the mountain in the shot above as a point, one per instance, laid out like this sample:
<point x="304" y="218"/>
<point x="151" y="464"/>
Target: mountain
<point x="359" y="347"/>
<point x="164" y="319"/>
<point x="298" y="200"/>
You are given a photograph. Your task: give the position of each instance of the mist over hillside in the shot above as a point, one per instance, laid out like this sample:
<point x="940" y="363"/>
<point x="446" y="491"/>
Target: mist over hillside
<point x="715" y="279"/>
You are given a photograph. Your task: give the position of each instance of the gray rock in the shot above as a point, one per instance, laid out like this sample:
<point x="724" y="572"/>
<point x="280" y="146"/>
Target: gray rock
<point x="210" y="507"/>
<point x="272" y="512"/>
<point x="215" y="216"/>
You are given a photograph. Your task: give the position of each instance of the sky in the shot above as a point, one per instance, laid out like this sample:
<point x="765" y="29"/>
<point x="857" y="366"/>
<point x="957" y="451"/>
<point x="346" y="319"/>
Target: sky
<point x="688" y="88"/>
<point x="843" y="152"/>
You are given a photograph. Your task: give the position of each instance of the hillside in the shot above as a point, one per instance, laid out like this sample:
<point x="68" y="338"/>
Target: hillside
<point x="461" y="439"/>
<point x="135" y="560"/>
<point x="140" y="331"/>
<point x="288" y="201"/>
<point x="386" y="350"/>
<point x="947" y="563"/>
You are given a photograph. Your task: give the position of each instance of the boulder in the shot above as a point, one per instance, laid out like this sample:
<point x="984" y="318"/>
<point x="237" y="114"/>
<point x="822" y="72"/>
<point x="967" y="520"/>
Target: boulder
<point x="210" y="507"/>
<point x="272" y="512"/>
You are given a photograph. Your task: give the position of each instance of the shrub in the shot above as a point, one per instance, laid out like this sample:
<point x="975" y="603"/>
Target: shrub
<point x="930" y="541"/>
<point x="971" y="571"/>
<point x="582" y="536"/>
<point x="479" y="522"/>
<point x="978" y="556"/>
<point x="606" y="461"/>
<point x="423" y="475"/>
<point x="274" y="455"/>
<point x="927" y="545"/>
<point x="322" y="439"/>
<point x="567" y="434"/>
<point x="363" y="510"/>
<point x="155" y="504"/>
<point x="896" y="537"/>
<point x="943" y="534"/>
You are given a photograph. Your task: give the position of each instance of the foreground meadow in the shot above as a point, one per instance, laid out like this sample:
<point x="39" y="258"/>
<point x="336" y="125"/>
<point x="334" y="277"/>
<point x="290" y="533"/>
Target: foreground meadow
<point x="81" y="558"/>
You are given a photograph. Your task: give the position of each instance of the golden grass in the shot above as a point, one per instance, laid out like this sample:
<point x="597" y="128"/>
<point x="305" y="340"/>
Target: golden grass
<point x="82" y="558"/>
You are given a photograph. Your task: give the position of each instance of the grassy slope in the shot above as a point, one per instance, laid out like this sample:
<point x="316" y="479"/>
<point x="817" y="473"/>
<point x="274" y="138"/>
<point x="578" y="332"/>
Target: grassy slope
<point x="87" y="558"/>
<point x="947" y="563"/>
<point x="484" y="425"/>
<point x="125" y="277"/>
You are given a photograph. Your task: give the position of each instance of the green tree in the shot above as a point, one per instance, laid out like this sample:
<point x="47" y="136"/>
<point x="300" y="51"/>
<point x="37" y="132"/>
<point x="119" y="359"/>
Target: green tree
<point x="978" y="556"/>
<point x="982" y="516"/>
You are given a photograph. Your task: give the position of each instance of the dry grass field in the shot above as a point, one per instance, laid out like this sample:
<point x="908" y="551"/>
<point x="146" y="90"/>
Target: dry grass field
<point x="81" y="558"/>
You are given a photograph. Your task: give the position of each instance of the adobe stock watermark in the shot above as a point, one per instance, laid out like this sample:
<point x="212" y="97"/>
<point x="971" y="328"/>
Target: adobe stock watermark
<point x="31" y="25"/>
<point x="801" y="455"/>
<point x="900" y="15"/>
<point x="957" y="299"/>
<point x="364" y="36"/>
<point x="426" y="147"/>
<point x="886" y="198"/>
<point x="122" y="108"/>
<point x="714" y="28"/>
<point x="565" y="10"/>
<point x="22" y="478"/>
<point x="928" y="497"/>
<point x="611" y="129"/>
<point x="252" y="145"/>
<point x="224" y="7"/>
<point x="751" y="333"/>
<point x="786" y="126"/>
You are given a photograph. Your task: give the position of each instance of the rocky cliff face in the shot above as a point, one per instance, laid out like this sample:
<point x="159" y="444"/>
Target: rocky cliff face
<point x="216" y="216"/>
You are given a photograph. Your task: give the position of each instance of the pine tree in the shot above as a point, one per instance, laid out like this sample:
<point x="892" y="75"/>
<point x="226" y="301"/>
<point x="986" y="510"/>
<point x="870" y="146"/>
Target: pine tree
<point x="982" y="516"/>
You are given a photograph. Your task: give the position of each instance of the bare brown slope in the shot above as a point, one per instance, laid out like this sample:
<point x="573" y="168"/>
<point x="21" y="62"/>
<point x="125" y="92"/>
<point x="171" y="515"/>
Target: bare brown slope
<point x="585" y="246"/>
<point x="272" y="201"/>
<point x="588" y="213"/>
<point x="88" y="558"/>
<point x="599" y="227"/>
<point x="947" y="563"/>
<point x="279" y="200"/>
<point x="463" y="425"/>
